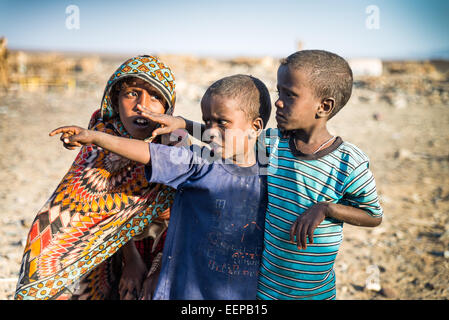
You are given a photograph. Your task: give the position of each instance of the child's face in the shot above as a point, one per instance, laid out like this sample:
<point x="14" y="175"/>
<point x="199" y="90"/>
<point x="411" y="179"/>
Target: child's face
<point x="139" y="92"/>
<point x="228" y="129"/>
<point x="297" y="104"/>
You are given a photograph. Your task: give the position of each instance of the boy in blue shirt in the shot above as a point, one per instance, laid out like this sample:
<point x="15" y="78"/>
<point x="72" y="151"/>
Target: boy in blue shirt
<point x="215" y="236"/>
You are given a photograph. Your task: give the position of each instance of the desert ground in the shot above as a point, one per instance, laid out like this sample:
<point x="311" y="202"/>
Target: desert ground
<point x="399" y="118"/>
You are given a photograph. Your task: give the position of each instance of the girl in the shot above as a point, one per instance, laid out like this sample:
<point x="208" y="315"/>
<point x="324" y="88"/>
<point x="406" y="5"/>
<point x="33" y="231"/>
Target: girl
<point x="72" y="250"/>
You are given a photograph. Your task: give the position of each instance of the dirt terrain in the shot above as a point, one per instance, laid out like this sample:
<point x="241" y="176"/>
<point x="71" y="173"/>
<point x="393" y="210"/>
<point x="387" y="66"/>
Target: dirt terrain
<point x="400" y="119"/>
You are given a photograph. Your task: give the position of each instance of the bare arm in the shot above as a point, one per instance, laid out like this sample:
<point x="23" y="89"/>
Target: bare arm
<point x="352" y="215"/>
<point x="132" y="149"/>
<point x="135" y="150"/>
<point x="307" y="222"/>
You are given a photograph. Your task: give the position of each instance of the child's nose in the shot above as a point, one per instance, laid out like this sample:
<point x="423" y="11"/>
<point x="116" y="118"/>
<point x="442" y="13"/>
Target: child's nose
<point x="144" y="98"/>
<point x="279" y="103"/>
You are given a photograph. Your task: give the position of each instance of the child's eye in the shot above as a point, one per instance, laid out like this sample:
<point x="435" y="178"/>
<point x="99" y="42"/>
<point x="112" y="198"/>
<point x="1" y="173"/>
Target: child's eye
<point x="155" y="96"/>
<point x="131" y="94"/>
<point x="289" y="94"/>
<point x="222" y="122"/>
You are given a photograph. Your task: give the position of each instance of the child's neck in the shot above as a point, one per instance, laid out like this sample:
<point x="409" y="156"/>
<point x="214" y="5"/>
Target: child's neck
<point x="308" y="141"/>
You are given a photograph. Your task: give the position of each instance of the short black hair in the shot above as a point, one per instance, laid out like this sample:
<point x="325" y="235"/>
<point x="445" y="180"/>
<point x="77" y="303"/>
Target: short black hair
<point x="256" y="101"/>
<point x="330" y="76"/>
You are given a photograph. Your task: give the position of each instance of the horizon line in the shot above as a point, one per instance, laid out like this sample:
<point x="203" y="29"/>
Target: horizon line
<point x="444" y="55"/>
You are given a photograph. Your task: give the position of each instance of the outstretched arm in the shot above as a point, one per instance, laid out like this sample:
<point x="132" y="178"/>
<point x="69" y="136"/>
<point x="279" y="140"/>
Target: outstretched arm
<point x="307" y="222"/>
<point x="135" y="150"/>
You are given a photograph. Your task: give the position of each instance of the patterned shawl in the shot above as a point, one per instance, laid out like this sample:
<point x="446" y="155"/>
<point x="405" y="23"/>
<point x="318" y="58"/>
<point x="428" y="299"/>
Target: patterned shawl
<point x="101" y="203"/>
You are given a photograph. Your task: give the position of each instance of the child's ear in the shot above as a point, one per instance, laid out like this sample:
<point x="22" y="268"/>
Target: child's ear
<point x="257" y="126"/>
<point x="326" y="107"/>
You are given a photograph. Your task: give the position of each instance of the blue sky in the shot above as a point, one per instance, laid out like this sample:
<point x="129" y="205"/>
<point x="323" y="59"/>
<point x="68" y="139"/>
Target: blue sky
<point x="407" y="28"/>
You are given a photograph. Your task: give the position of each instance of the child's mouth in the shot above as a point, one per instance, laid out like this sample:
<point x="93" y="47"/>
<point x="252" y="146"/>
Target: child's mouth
<point x="279" y="117"/>
<point x="141" y="122"/>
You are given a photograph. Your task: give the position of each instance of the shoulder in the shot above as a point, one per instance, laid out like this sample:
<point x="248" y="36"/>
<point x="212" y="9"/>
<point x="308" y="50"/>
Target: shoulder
<point x="351" y="154"/>
<point x="97" y="123"/>
<point x="95" y="120"/>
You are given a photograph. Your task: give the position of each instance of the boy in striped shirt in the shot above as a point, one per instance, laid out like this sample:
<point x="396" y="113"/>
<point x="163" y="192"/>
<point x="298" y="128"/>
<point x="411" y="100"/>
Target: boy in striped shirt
<point x="316" y="181"/>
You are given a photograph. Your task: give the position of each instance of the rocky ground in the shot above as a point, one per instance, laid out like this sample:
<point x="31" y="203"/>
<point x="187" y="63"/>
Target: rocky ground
<point x="399" y="119"/>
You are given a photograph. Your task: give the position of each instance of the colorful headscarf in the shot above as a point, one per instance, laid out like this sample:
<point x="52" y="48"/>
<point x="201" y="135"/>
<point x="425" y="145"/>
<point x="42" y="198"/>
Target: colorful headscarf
<point x="147" y="68"/>
<point x="101" y="203"/>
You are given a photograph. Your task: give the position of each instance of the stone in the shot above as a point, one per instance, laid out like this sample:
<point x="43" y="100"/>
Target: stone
<point x="403" y="154"/>
<point x="377" y="116"/>
<point x="4" y="109"/>
<point x="429" y="286"/>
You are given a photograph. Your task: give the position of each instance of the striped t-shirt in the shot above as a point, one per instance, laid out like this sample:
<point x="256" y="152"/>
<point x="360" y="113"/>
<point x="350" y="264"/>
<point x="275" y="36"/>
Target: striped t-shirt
<point x="340" y="174"/>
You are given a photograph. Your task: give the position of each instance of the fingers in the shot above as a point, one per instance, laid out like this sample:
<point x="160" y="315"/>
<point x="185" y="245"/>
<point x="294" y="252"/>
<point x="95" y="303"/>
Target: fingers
<point x="70" y="142"/>
<point x="303" y="231"/>
<point x="126" y="292"/>
<point x="156" y="117"/>
<point x="56" y="131"/>
<point x="68" y="137"/>
<point x="145" y="293"/>
<point x="129" y="290"/>
<point x="310" y="232"/>
<point x="64" y="139"/>
<point x="65" y="129"/>
<point x="122" y="290"/>
<point x="69" y="147"/>
<point x="299" y="229"/>
<point x="293" y="231"/>
<point x="137" y="288"/>
<point x="160" y="131"/>
<point x="130" y="295"/>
